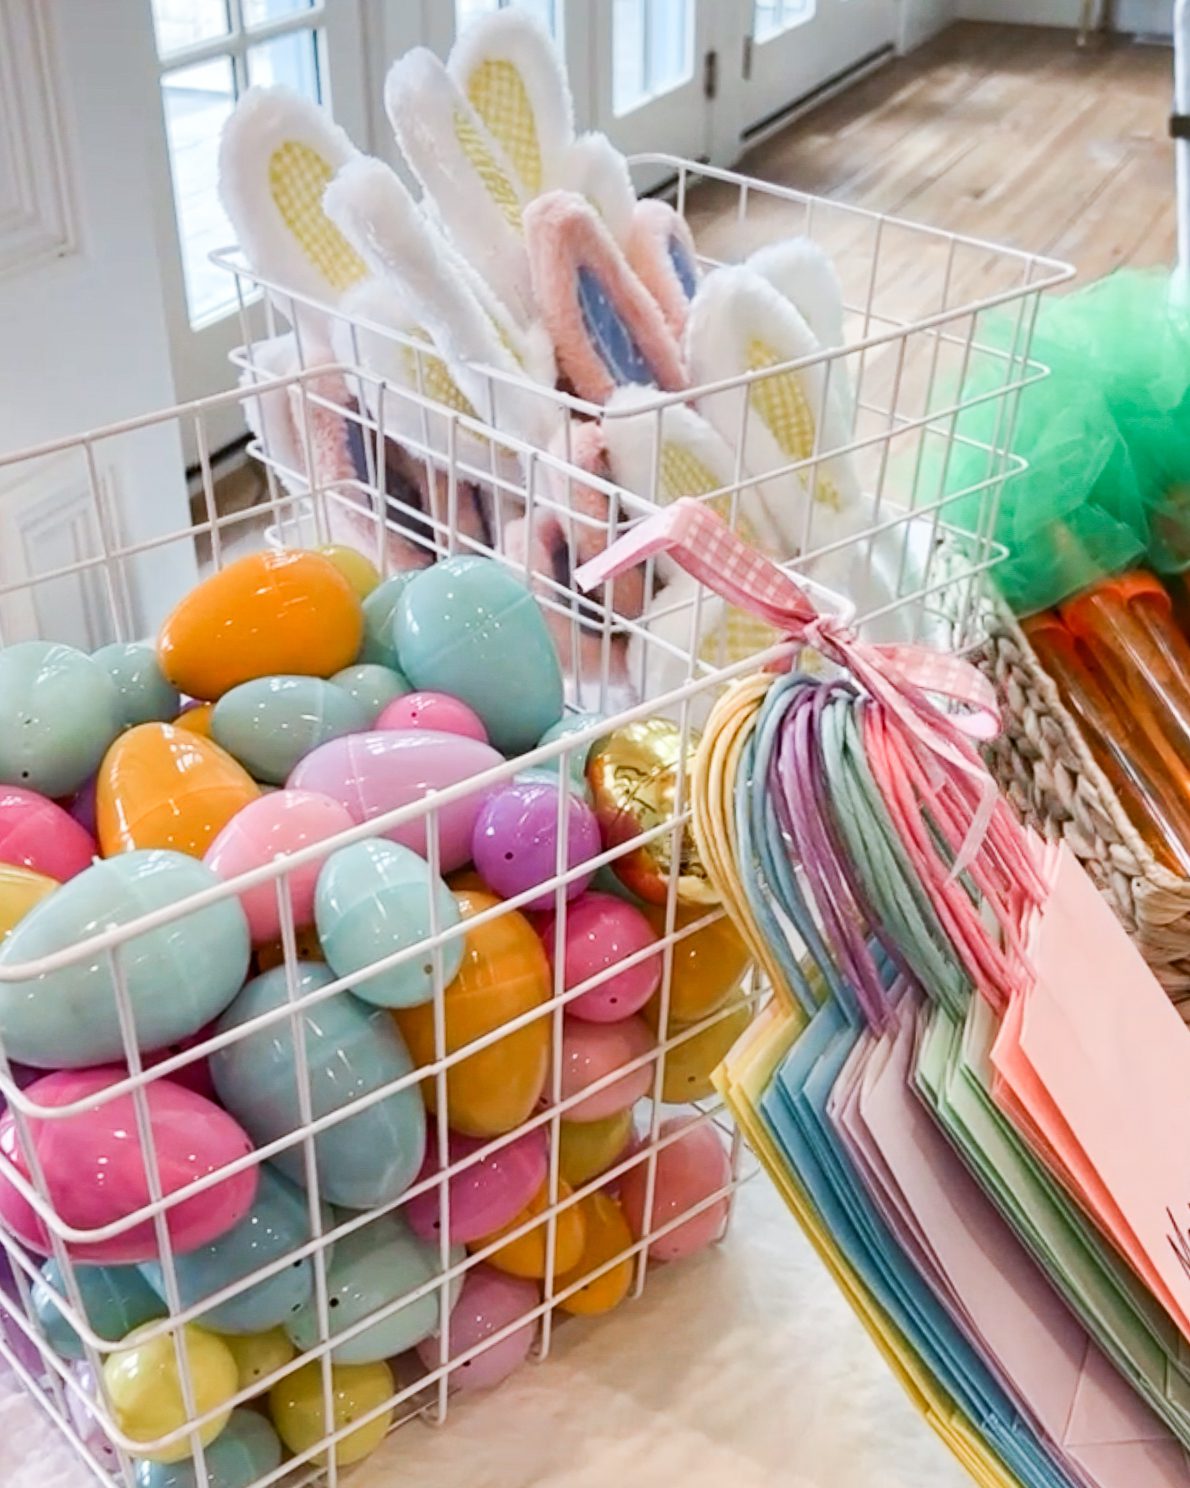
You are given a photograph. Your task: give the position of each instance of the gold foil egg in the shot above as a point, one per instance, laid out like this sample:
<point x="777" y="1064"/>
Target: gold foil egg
<point x="633" y="775"/>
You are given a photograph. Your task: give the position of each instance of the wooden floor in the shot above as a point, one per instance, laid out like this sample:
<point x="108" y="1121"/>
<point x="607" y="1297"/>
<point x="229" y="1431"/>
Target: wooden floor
<point x="1007" y="133"/>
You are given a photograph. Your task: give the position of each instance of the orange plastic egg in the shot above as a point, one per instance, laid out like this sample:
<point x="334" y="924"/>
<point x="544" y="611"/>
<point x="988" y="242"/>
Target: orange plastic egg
<point x="159" y="786"/>
<point x="526" y="1255"/>
<point x="271" y="612"/>
<point x="196" y="720"/>
<point x="504" y="974"/>
<point x="690" y="1064"/>
<point x="607" y="1236"/>
<point x="707" y="966"/>
<point x="20" y="890"/>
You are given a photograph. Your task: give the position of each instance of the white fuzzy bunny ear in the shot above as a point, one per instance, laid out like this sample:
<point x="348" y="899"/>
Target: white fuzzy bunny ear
<point x="475" y="191"/>
<point x="277" y="154"/>
<point x="594" y="168"/>
<point x="507" y="66"/>
<point x="805" y="275"/>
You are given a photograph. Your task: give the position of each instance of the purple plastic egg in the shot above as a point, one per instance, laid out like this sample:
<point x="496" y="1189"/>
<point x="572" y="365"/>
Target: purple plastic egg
<point x="592" y="1051"/>
<point x="489" y="1302"/>
<point x="81" y="806"/>
<point x="515" y="844"/>
<point x="485" y="1195"/>
<point x="377" y="772"/>
<point x="433" y="710"/>
<point x="37" y="833"/>
<point x="26" y="1351"/>
<point x="600" y="932"/>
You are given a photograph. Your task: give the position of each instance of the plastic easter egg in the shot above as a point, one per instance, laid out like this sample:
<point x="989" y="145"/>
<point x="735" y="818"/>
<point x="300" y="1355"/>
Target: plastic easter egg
<point x="515" y="843"/>
<point x="378" y="772"/>
<point x="20" y="891"/>
<point x="59" y="711"/>
<point x="95" y="1169"/>
<point x="607" y="1236"/>
<point x="272" y="952"/>
<point x="277" y="1223"/>
<point x="246" y="1450"/>
<point x="84" y="1414"/>
<point x="360" y="572"/>
<point x="298" y="1408"/>
<point x="258" y="1355"/>
<point x="268" y="613"/>
<point x="369" y="1157"/>
<point x="543" y="775"/>
<point x="373" y="686"/>
<point x="504" y="974"/>
<point x="690" y="1064"/>
<point x="81" y="808"/>
<point x="633" y="774"/>
<point x="459" y="626"/>
<point x="593" y="1051"/>
<point x="271" y="723"/>
<point x="433" y="710"/>
<point x="178" y="976"/>
<point x="491" y="1301"/>
<point x="571" y="723"/>
<point x="267" y="829"/>
<point x="601" y="932"/>
<point x="143" y="1385"/>
<point x="373" y="1266"/>
<point x="588" y="1148"/>
<point x="380" y="611"/>
<point x="38" y="834"/>
<point x="526" y="1255"/>
<point x="485" y="1195"/>
<point x="116" y="1299"/>
<point x="195" y="1075"/>
<point x="374" y="899"/>
<point x="689" y="1171"/>
<point x="145" y="695"/>
<point x="164" y="787"/>
<point x="706" y="967"/>
<point x="196" y="719"/>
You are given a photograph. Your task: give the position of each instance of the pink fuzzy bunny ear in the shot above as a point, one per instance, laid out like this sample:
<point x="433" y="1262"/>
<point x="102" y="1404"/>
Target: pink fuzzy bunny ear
<point x="608" y="331"/>
<point x="661" y="250"/>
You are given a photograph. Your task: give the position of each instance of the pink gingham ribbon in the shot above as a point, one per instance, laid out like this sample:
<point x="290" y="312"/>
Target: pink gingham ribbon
<point x="902" y="678"/>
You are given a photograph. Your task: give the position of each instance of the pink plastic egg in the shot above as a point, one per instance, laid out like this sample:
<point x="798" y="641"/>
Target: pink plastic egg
<point x="433" y="710"/>
<point x="689" y="1170"/>
<point x="600" y="932"/>
<point x="37" y="833"/>
<point x="95" y="1170"/>
<point x="485" y="1195"/>
<point x="592" y="1051"/>
<point x="377" y="772"/>
<point x="266" y="829"/>
<point x="489" y="1302"/>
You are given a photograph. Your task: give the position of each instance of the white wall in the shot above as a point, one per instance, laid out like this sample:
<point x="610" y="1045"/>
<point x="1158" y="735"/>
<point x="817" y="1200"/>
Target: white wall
<point x="1022" y="12"/>
<point x="921" y="19"/>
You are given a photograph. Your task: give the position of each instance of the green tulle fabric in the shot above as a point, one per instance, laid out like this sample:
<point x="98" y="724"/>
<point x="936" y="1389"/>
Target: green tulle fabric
<point x="1106" y="437"/>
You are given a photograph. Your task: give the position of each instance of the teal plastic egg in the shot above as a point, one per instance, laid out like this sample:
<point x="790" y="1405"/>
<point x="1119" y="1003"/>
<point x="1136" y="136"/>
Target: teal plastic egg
<point x="572" y="723"/>
<point x="179" y="976"/>
<point x="373" y="1266"/>
<point x="372" y="685"/>
<point x="116" y="1299"/>
<point x="271" y="723"/>
<point x="145" y="695"/>
<point x="59" y="711"/>
<point x="374" y="899"/>
<point x="380" y="611"/>
<point x="246" y="1450"/>
<point x="470" y="628"/>
<point x="371" y="1156"/>
<point x="277" y="1223"/>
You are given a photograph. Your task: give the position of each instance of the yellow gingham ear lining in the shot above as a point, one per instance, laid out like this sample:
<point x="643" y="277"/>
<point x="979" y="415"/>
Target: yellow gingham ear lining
<point x="498" y="95"/>
<point x="495" y="182"/>
<point x="782" y="404"/>
<point x="298" y="176"/>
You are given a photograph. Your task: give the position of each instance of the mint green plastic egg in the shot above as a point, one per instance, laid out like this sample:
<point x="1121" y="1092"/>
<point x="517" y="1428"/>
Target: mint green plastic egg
<point x="246" y="1450"/>
<point x="273" y="722"/>
<point x="372" y="685"/>
<point x="145" y="695"/>
<point x="59" y="711"/>
<point x="380" y="610"/>
<point x="116" y="1299"/>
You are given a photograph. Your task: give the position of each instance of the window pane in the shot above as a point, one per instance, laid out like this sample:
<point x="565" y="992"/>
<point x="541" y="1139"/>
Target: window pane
<point x="183" y="23"/>
<point x="197" y="101"/>
<point x="546" y="11"/>
<point x="292" y="60"/>
<point x="771" y="17"/>
<point x="261" y="12"/>
<point x="652" y="49"/>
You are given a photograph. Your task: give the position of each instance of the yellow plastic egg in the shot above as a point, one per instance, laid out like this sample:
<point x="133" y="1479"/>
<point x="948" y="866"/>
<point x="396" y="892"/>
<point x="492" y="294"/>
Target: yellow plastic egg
<point x="707" y="965"/>
<point x="689" y="1065"/>
<point x="607" y="1236"/>
<point x="271" y="612"/>
<point x="504" y="973"/>
<point x="20" y="890"/>
<point x="196" y="720"/>
<point x="526" y="1255"/>
<point x="159" y="786"/>
<point x="588" y="1148"/>
<point x="257" y="1355"/>
<point x="360" y="572"/>
<point x="144" y="1386"/>
<point x="298" y="1408"/>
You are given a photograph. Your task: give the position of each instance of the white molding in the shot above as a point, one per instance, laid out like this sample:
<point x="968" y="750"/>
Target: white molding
<point x="37" y="215"/>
